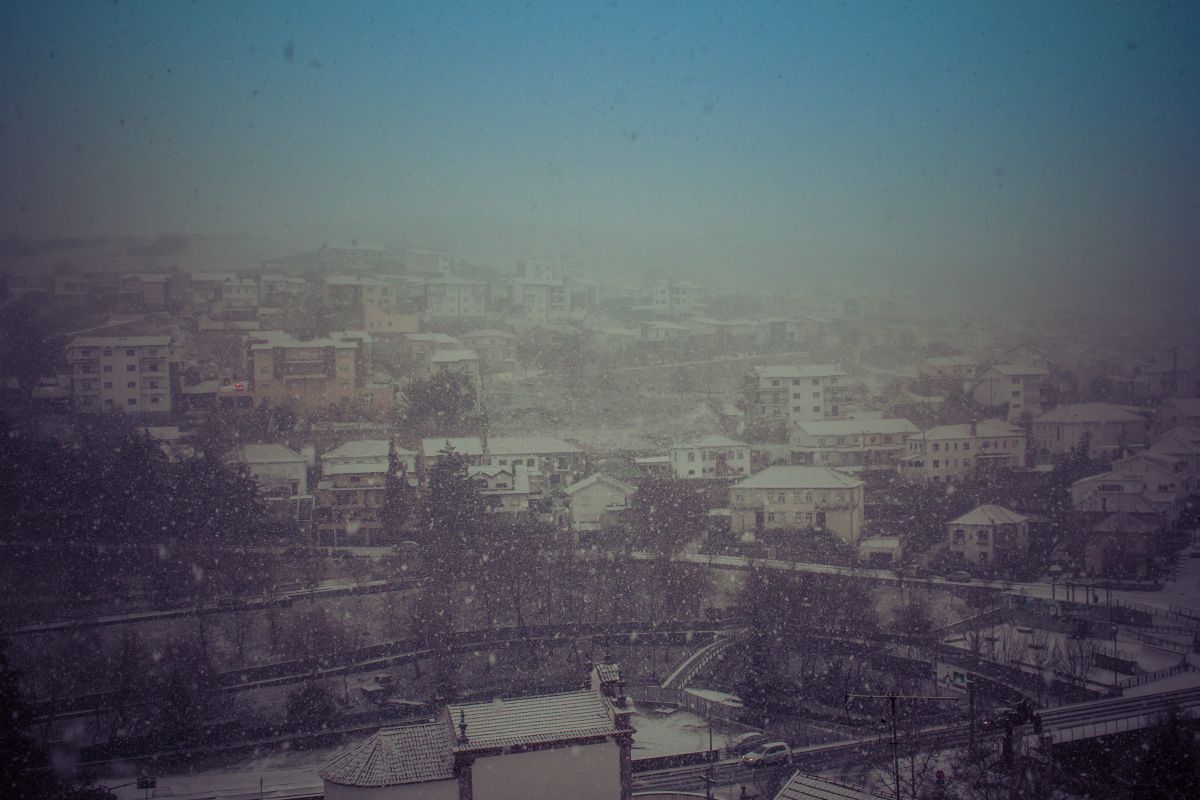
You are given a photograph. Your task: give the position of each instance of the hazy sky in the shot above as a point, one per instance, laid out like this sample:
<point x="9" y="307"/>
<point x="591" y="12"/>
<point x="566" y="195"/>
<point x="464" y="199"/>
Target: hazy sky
<point x="946" y="138"/>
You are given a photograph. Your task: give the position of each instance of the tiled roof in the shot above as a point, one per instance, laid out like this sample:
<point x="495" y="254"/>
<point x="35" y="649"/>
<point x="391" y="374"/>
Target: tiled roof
<point x="597" y="477"/>
<point x="395" y="756"/>
<point x="802" y="786"/>
<point x="987" y="427"/>
<point x="1090" y="412"/>
<point x="532" y="720"/>
<point x="799" y="477"/>
<point x="608" y="673"/>
<point x="806" y="371"/>
<point x="990" y="515"/>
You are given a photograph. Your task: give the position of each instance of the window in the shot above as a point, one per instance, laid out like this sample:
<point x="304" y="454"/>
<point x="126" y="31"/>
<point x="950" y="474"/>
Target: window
<point x="981" y="537"/>
<point x="816" y="409"/>
<point x="108" y="367"/>
<point x="936" y="463"/>
<point x="153" y="401"/>
<point x="960" y="536"/>
<point x="108" y="384"/>
<point x="131" y="385"/>
<point x="131" y="402"/>
<point x="966" y="445"/>
<point x="770" y="516"/>
<point x="153" y="384"/>
<point x="108" y="351"/>
<point x="816" y="381"/>
<point x="131" y="367"/>
<point x="936" y="447"/>
<point x="781" y="498"/>
<point x="131" y="353"/>
<point x="691" y="456"/>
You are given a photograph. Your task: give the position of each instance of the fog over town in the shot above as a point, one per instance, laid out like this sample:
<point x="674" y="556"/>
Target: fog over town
<point x="599" y="400"/>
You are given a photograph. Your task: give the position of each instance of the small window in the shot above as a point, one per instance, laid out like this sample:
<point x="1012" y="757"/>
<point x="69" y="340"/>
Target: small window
<point x="108" y="384"/>
<point x="153" y="401"/>
<point x="131" y="385"/>
<point x="131" y="367"/>
<point x="108" y="367"/>
<point x="131" y="402"/>
<point x="108" y="351"/>
<point x="131" y="353"/>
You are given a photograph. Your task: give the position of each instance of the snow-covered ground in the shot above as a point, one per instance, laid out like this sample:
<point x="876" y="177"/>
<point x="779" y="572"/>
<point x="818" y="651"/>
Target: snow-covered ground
<point x="661" y="734"/>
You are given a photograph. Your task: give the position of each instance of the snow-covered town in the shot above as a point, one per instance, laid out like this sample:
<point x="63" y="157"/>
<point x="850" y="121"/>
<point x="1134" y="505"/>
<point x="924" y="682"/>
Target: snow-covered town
<point x="375" y="428"/>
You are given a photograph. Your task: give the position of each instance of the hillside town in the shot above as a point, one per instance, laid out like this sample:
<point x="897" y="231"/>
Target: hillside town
<point x="1009" y="518"/>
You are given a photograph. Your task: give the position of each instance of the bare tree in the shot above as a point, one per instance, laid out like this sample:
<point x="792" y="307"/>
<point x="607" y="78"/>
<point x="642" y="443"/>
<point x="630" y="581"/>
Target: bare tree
<point x="1079" y="660"/>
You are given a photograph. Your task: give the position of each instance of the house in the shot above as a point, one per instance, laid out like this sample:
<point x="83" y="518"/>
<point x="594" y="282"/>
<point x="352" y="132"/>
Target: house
<point x="1017" y="386"/>
<point x="1181" y="445"/>
<point x="454" y="297"/>
<point x="133" y="374"/>
<point x="949" y="453"/>
<point x="798" y="497"/>
<point x="1177" y="412"/>
<point x="372" y="451"/>
<point x="712" y="456"/>
<point x="1121" y="544"/>
<point x="352" y="491"/>
<point x="960" y="369"/>
<point x="656" y="331"/>
<point x="540" y="299"/>
<point x="802" y="786"/>
<point x="559" y="463"/>
<point x="791" y="394"/>
<point x="1142" y="484"/>
<point x="574" y="744"/>
<point x="1107" y="430"/>
<point x="282" y="478"/>
<point x="595" y="499"/>
<point x="988" y="534"/>
<point x="504" y="489"/>
<point x="881" y="551"/>
<point x="417" y="348"/>
<point x="497" y="349"/>
<point x="852" y="444"/>
<point x="677" y="298"/>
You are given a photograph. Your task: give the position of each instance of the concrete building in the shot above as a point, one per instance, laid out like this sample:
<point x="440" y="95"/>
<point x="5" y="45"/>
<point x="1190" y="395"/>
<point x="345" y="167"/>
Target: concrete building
<point x="1177" y="412"/>
<point x="351" y="492"/>
<point x="497" y="349"/>
<point x="798" y="497"/>
<point x="574" y="744"/>
<point x="131" y="374"/>
<point x="949" y="453"/>
<point x="556" y="462"/>
<point x="455" y="298"/>
<point x="853" y="445"/>
<point x="712" y="456"/>
<point x="792" y="394"/>
<point x="1017" y="386"/>
<point x="282" y="478"/>
<point x="1109" y="430"/>
<point x="596" y="499"/>
<point x="310" y="375"/>
<point x="1142" y="484"/>
<point x="960" y="368"/>
<point x="542" y="300"/>
<point x="988" y="534"/>
<point x="676" y="298"/>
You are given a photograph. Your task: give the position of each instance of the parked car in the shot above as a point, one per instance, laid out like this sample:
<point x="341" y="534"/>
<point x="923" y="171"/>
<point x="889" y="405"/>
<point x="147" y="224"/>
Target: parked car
<point x="767" y="754"/>
<point x="959" y="576"/>
<point x="745" y="742"/>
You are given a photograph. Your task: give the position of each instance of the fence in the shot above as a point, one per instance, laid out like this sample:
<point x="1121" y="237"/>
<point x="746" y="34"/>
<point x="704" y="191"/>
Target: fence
<point x="1150" y="677"/>
<point x="1159" y="642"/>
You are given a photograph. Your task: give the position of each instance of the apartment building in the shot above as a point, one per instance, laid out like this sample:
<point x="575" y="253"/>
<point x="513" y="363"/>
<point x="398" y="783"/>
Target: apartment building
<point x="133" y="374"/>
<point x="950" y="453"/>
<point x="1145" y="484"/>
<point x="310" y="375"/>
<point x="1106" y="429"/>
<point x="552" y="462"/>
<point x="497" y="349"/>
<point x="852" y="445"/>
<point x="676" y="298"/>
<point x="792" y="394"/>
<point x="540" y="300"/>
<point x="712" y="456"/>
<point x="798" y="497"/>
<point x="958" y="368"/>
<point x="1018" y="386"/>
<point x="282" y="478"/>
<point x="373" y="304"/>
<point x="454" y="297"/>
<point x="351" y="494"/>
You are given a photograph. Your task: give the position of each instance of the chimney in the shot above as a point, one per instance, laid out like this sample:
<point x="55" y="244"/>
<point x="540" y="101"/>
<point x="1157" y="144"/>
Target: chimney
<point x="462" y="726"/>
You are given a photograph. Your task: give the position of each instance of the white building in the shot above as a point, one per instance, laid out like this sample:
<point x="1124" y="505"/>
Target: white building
<point x="558" y="463"/>
<point x="540" y="300"/>
<point x="677" y="298"/>
<point x="1108" y="430"/>
<point x="282" y="478"/>
<point x="124" y="373"/>
<point x="799" y="393"/>
<point x="504" y="489"/>
<point x="455" y="297"/>
<point x="1142" y="484"/>
<point x="798" y="497"/>
<point x="988" y="533"/>
<point x="951" y="452"/>
<point x="1016" y="385"/>
<point x="713" y="456"/>
<point x="573" y="744"/>
<point x="852" y="445"/>
<point x="594" y="497"/>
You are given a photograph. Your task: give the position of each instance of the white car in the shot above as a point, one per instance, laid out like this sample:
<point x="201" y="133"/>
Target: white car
<point x="769" y="753"/>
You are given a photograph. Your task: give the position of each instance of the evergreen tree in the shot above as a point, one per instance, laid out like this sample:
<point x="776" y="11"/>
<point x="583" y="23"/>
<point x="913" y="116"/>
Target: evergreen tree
<point x="1170" y="768"/>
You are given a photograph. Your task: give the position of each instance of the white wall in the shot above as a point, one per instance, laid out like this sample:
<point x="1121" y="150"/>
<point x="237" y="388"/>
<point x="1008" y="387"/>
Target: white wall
<point x="586" y="772"/>
<point x="433" y="790"/>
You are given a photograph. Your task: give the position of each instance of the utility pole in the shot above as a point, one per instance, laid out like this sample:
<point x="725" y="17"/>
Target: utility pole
<point x="893" y="699"/>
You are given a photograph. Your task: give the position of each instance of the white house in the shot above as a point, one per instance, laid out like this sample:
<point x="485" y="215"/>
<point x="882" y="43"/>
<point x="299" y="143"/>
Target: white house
<point x="987" y="533"/>
<point x="595" y="496"/>
<point x="504" y="489"/>
<point x="798" y="497"/>
<point x="1141" y="484"/>
<point x="713" y="456"/>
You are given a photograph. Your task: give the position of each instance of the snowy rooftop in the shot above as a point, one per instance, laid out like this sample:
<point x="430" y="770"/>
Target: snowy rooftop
<point x="987" y="427"/>
<point x="363" y="449"/>
<point x="802" y="786"/>
<point x="532" y="720"/>
<point x="712" y="440"/>
<point x="799" y="477"/>
<point x="120" y="341"/>
<point x="856" y="426"/>
<point x="452" y="356"/>
<point x="1019" y="370"/>
<point x="498" y="445"/>
<point x="990" y="515"/>
<point x="950" y="361"/>
<point x="806" y="371"/>
<point x="599" y="477"/>
<point x="396" y="756"/>
<point x="269" y="454"/>
<point x="356" y="468"/>
<point x="1090" y="412"/>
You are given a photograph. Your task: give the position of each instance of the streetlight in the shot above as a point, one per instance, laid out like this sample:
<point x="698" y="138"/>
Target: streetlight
<point x="708" y="774"/>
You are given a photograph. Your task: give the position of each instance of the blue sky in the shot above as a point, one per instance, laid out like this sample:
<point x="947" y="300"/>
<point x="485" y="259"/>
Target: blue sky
<point x="941" y="138"/>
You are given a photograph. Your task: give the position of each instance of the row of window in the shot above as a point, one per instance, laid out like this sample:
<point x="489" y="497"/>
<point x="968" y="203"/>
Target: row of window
<point x="799" y="497"/>
<point x="800" y="517"/>
<point x="87" y="352"/>
<point x="796" y="381"/>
